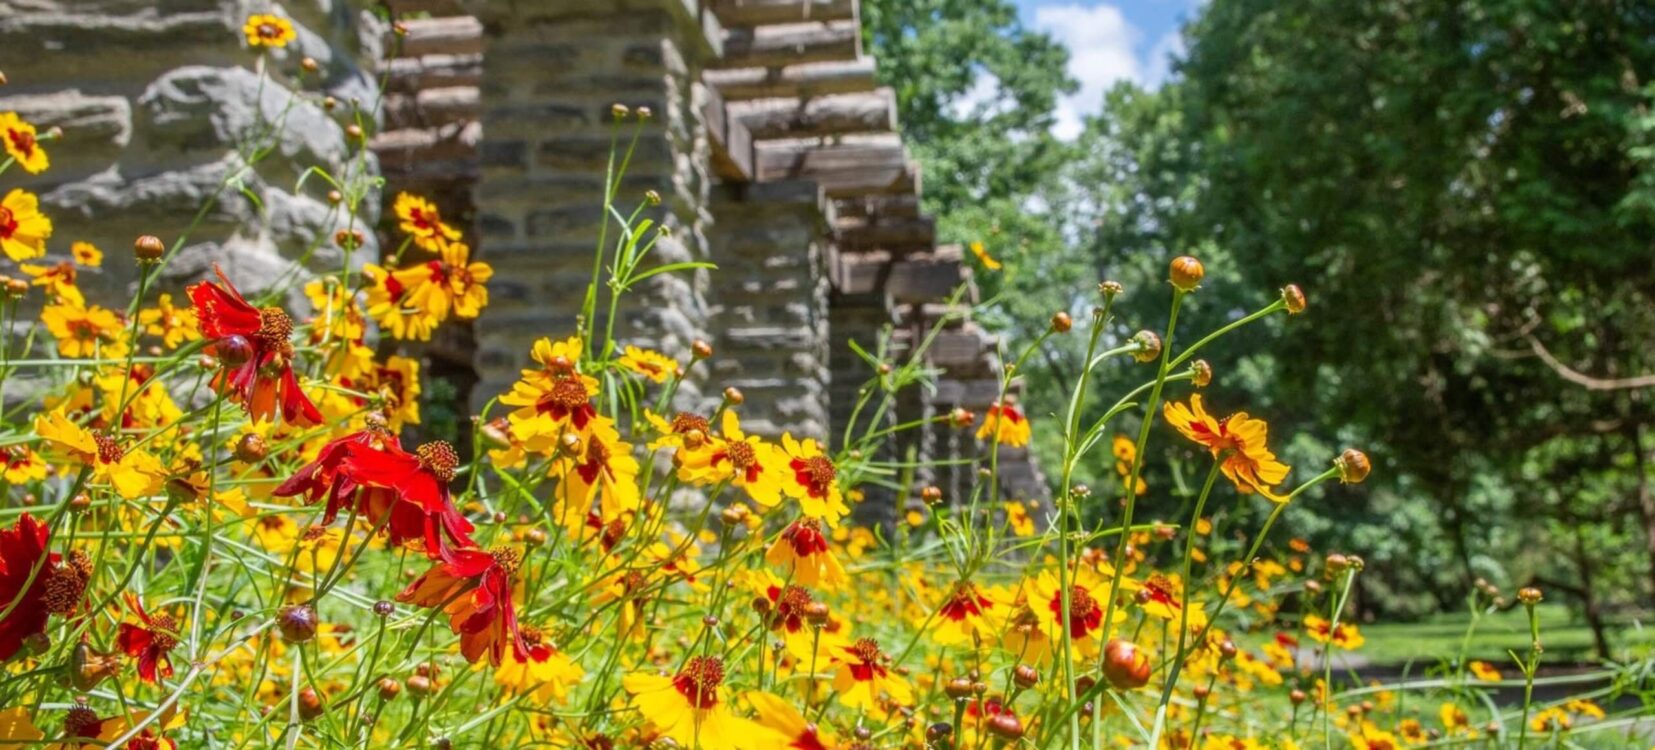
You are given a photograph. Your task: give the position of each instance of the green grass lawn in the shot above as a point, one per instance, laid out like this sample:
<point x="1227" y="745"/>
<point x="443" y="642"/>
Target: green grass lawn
<point x="1565" y="637"/>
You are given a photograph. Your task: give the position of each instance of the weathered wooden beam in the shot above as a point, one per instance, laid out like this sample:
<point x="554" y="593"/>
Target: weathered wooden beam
<point x="433" y="106"/>
<point x="795" y="81"/>
<point x="732" y="144"/>
<point x="872" y="112"/>
<point x="856" y="166"/>
<point x="877" y="207"/>
<point x="428" y="7"/>
<point x="454" y="35"/>
<point x="899" y="236"/>
<point x="790" y="44"/>
<point x="761" y="12"/>
<point x="414" y="74"/>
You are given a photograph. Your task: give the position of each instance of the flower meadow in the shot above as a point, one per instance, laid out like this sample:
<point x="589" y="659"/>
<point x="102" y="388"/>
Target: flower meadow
<point x="219" y="530"/>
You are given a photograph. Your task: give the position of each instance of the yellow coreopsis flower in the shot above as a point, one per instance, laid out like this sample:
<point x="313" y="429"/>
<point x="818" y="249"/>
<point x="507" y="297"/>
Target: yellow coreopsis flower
<point x="86" y="254"/>
<point x="654" y="365"/>
<point x="1005" y="423"/>
<point x="603" y="468"/>
<point x="814" y="481"/>
<point x="58" y="281"/>
<point x="23" y="229"/>
<point x="1238" y="440"/>
<point x="389" y="304"/>
<point x="465" y="280"/>
<point x="175" y="325"/>
<point x="738" y="458"/>
<point x="1370" y="737"/>
<point x="266" y="30"/>
<point x="83" y="331"/>
<point x="546" y="674"/>
<point x="692" y="708"/>
<point x="134" y="473"/>
<point x="17" y="726"/>
<point x="865" y="677"/>
<point x="423" y="223"/>
<point x="19" y="464"/>
<point x="1346" y="636"/>
<point x="988" y="261"/>
<point x="18" y="138"/>
<point x="1482" y="670"/>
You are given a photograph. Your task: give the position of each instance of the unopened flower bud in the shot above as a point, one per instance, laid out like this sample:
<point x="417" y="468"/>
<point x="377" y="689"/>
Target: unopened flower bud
<point x="1061" y="322"/>
<point x="87" y="668"/>
<point x="958" y="688"/>
<point x="17" y="288"/>
<point x="1149" y="346"/>
<point x="251" y="448"/>
<point x="733" y="397"/>
<point x="1200" y="692"/>
<point x="384" y="608"/>
<point x="652" y="198"/>
<point x="1227" y="649"/>
<point x="619" y="111"/>
<point x="310" y="704"/>
<point x="939" y="732"/>
<point x="1025" y="676"/>
<point x="644" y="113"/>
<point x="1203" y="373"/>
<point x="310" y="65"/>
<point x="389" y="689"/>
<point x="1529" y="595"/>
<point x="569" y="443"/>
<point x="1006" y="726"/>
<point x="1126" y="666"/>
<point x="961" y="417"/>
<point x="335" y="197"/>
<point x="1293" y="297"/>
<point x="931" y="495"/>
<point x="701" y="349"/>
<point x="80" y="503"/>
<point x="816" y="613"/>
<point x="329" y="103"/>
<point x="734" y="514"/>
<point x="297" y="623"/>
<point x="148" y="249"/>
<point x="1109" y="289"/>
<point x="418" y="685"/>
<point x="399" y="28"/>
<point x="349" y="239"/>
<point x="1186" y="273"/>
<point x="1353" y="466"/>
<point x="1297" y="696"/>
<point x="1336" y="563"/>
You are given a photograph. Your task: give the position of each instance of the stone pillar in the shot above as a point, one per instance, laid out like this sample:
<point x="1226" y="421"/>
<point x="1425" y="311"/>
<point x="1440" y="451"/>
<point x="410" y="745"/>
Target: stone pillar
<point x="551" y="73"/>
<point x="770" y="303"/>
<point x="156" y="109"/>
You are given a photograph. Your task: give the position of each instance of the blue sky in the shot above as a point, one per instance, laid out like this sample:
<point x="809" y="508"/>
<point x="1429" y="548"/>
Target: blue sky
<point x="1108" y="42"/>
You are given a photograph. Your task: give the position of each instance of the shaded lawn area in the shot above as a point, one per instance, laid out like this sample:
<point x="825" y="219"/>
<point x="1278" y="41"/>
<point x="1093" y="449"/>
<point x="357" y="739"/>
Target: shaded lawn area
<point x="1564" y="635"/>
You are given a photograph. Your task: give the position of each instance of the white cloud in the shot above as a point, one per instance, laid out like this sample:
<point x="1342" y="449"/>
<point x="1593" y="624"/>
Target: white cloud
<point x="983" y="94"/>
<point x="1100" y="42"/>
<point x="1159" y="66"/>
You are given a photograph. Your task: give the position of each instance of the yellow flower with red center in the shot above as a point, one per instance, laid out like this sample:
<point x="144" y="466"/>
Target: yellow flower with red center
<point x="964" y="616"/>
<point x="546" y="673"/>
<point x="1551" y="719"/>
<point x="1024" y="633"/>
<point x="1087" y="594"/>
<point x="1453" y="718"/>
<point x="422" y="222"/>
<point x="398" y="383"/>
<point x="17" y="726"/>
<point x="738" y="458"/>
<point x="989" y="262"/>
<point x="1238" y="440"/>
<point x="865" y="678"/>
<point x="86" y="254"/>
<point x="684" y="429"/>
<point x="389" y="304"/>
<point x="779" y="715"/>
<point x="452" y="284"/>
<point x="551" y="399"/>
<point x="692" y="708"/>
<point x="651" y="364"/>
<point x="1125" y="452"/>
<point x="266" y="30"/>
<point x="1370" y="737"/>
<point x="1482" y="670"/>
<point x="58" y="280"/>
<point x="23" y="229"/>
<point x="602" y="468"/>
<point x="20" y="142"/>
<point x="814" y="482"/>
<point x="134" y="473"/>
<point x="19" y="464"/>
<point x="1230" y="742"/>
<point x="1161" y="597"/>
<point x="1018" y="518"/>
<point x="83" y="331"/>
<point x="337" y="315"/>
<point x="175" y="325"/>
<point x="803" y="555"/>
<point x="1346" y="636"/>
<point x="1005" y="424"/>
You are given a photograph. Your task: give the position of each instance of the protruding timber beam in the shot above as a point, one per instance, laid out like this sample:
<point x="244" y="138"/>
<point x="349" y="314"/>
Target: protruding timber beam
<point x="791" y="43"/>
<point x="732" y="144"/>
<point x="767" y="119"/>
<point x="795" y="81"/>
<point x="899" y="236"/>
<point x="878" y="207"/>
<point x="455" y="35"/>
<point x="761" y="12"/>
<point x="859" y="165"/>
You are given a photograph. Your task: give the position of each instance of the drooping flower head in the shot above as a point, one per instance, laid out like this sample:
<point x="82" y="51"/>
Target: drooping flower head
<point x="40" y="583"/>
<point x="252" y="344"/>
<point x="150" y="640"/>
<point x="1239" y="440"/>
<point x="803" y="555"/>
<point x="474" y="588"/>
<point x="865" y="678"/>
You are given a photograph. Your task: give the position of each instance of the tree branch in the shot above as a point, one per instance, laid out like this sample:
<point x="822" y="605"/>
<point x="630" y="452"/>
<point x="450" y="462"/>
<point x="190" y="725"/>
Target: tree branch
<point x="1582" y="379"/>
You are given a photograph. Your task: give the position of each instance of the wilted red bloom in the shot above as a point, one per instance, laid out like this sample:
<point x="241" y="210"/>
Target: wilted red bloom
<point x="149" y="642"/>
<point x="406" y="492"/>
<point x="252" y="343"/>
<point x="474" y="588"/>
<point x="56" y="588"/>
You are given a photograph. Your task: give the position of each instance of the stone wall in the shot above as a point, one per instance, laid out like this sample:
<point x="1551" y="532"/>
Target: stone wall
<point x="155" y="102"/>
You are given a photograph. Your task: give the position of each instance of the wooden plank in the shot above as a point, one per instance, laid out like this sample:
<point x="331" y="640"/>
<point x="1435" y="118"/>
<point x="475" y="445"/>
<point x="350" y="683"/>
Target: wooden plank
<point x="790" y="44"/>
<point x="856" y="166"/>
<point x="429" y="7"/>
<point x="875" y="207"/>
<point x="732" y="144"/>
<point x="455" y="35"/>
<point x="433" y="106"/>
<point x="872" y="112"/>
<point x="898" y="236"/>
<point x="802" y="81"/>
<point x="761" y="12"/>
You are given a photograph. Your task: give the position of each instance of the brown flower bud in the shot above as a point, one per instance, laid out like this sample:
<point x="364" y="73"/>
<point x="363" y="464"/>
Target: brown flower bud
<point x="1186" y="273"/>
<point x="399" y="28"/>
<point x="1110" y="289"/>
<point x="1203" y="373"/>
<point x="1149" y="346"/>
<point x="932" y="495"/>
<point x="734" y="515"/>
<point x="1336" y="563"/>
<point x="418" y="685"/>
<point x="1529" y="595"/>
<point x="353" y="131"/>
<point x="349" y="239"/>
<point x="1353" y="466"/>
<point x="816" y="613"/>
<point x="1200" y="692"/>
<point x="1227" y="649"/>
<point x="310" y="704"/>
<point x="962" y="417"/>
<point x="1297" y="696"/>
<point x="1293" y="297"/>
<point x="701" y="349"/>
<point x="534" y="537"/>
<point x="1025" y="676"/>
<point x="1006" y="726"/>
<point x="310" y="65"/>
<point x="733" y="397"/>
<point x="17" y="288"/>
<point x="297" y="623"/>
<point x="335" y="197"/>
<point x="938" y="733"/>
<point x="1125" y="665"/>
<point x="958" y="688"/>
<point x="569" y="443"/>
<point x="3" y="79"/>
<point x="384" y="608"/>
<point x="251" y="448"/>
<point x="1314" y="587"/>
<point x="389" y="689"/>
<point x="148" y="249"/>
<point x="328" y="103"/>
<point x="1061" y="322"/>
<point x="87" y="668"/>
<point x="80" y="503"/>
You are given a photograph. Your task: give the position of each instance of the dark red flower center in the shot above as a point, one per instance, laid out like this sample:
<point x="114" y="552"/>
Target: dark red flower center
<point x="684" y="422"/>
<point x="806" y="538"/>
<point x="506" y="558"/>
<point x="8" y="223"/>
<point x="439" y="458"/>
<point x="23" y="141"/>
<point x="66" y="583"/>
<point x="274" y="327"/>
<point x="82" y="721"/>
<point x="741" y="455"/>
<point x="965" y="602"/>
<point x="698" y="681"/>
<point x="269" y="32"/>
<point x="426" y="220"/>
<point x="161" y="633"/>
<point x="567" y="394"/>
<point x="109" y="451"/>
<point x="1084" y="614"/>
<point x="815" y="473"/>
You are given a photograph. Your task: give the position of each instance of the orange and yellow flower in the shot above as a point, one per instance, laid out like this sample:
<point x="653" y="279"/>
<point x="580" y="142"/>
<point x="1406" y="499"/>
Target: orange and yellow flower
<point x="1238" y="440"/>
<point x="865" y="677"/>
<point x="422" y="222"/>
<point x="1346" y="636"/>
<point x="1005" y="424"/>
<point x="693" y="708"/>
<point x="814" y="482"/>
<point x="86" y="254"/>
<point x="743" y="460"/>
<point x="803" y="555"/>
<point x="653" y="365"/>
<point x="21" y="144"/>
<point x="23" y="228"/>
<point x="266" y="30"/>
<point x="174" y="325"/>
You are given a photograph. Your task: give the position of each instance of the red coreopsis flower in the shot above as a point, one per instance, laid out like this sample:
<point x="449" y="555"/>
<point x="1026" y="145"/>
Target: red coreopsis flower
<point x="252" y="343"/>
<point x="474" y="588"/>
<point x="406" y="492"/>
<point x="35" y="583"/>
<point x="149" y="640"/>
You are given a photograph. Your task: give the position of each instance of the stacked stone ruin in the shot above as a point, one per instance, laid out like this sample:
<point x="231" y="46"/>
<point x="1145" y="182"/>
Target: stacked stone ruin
<point x="770" y="140"/>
